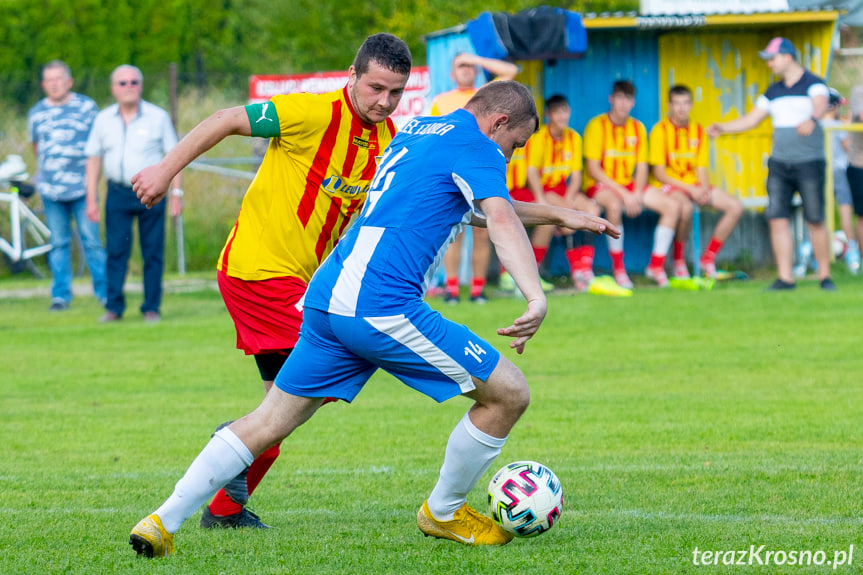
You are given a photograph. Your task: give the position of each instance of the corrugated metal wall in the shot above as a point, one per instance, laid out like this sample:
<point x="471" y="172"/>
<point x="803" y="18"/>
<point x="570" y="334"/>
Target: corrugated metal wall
<point x="611" y="55"/>
<point x="726" y="77"/>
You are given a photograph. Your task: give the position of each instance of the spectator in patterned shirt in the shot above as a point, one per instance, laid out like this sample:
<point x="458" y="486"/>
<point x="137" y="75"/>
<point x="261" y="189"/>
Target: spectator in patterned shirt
<point x="58" y="127"/>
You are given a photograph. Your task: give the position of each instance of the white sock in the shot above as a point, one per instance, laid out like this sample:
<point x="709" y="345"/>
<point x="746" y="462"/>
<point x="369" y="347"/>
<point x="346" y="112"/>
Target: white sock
<point x="222" y="459"/>
<point x="615" y="244"/>
<point x="662" y="238"/>
<point x="469" y="454"/>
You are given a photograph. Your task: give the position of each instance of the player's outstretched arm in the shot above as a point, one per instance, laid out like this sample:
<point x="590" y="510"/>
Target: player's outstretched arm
<point x="151" y="183"/>
<point x="513" y="249"/>
<point x="738" y="125"/>
<point x="532" y="214"/>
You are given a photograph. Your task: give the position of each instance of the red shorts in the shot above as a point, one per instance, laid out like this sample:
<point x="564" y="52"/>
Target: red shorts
<point x="265" y="312"/>
<point x="525" y="195"/>
<point x="591" y="191"/>
<point x="522" y="195"/>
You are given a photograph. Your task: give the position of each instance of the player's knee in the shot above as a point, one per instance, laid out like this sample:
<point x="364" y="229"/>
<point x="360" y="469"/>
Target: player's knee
<point x="518" y="393"/>
<point x="509" y="388"/>
<point x="735" y="208"/>
<point x="614" y="211"/>
<point x="671" y="210"/>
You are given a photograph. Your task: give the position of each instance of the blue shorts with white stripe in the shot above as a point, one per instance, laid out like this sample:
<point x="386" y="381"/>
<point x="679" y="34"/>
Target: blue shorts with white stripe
<point x="336" y="355"/>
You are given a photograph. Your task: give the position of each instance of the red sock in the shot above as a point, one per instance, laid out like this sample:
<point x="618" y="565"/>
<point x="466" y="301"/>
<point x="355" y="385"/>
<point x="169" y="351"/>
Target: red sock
<point x="573" y="256"/>
<point x="587" y="253"/>
<point x="617" y="261"/>
<point x="539" y="254"/>
<point x="713" y="248"/>
<point x="477" y="286"/>
<point x="657" y="261"/>
<point x="452" y="286"/>
<point x="223" y="505"/>
<point x="679" y="249"/>
<point x="260" y="466"/>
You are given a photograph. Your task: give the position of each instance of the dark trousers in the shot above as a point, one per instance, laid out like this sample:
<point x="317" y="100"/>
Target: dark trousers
<point x="121" y="207"/>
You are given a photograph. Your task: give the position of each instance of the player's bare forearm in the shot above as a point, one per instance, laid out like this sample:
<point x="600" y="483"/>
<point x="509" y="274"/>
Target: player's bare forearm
<point x="151" y="183"/>
<point x="92" y="171"/>
<point x="532" y="214"/>
<point x="737" y="125"/>
<point x="513" y="249"/>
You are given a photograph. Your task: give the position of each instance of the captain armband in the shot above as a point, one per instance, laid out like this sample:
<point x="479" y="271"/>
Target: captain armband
<point x="263" y="120"/>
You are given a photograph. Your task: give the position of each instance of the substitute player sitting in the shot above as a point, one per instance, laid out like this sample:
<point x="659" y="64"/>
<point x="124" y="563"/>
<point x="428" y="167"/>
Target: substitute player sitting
<point x="554" y="166"/>
<point x="516" y="183"/>
<point x="679" y="161"/>
<point x="615" y="153"/>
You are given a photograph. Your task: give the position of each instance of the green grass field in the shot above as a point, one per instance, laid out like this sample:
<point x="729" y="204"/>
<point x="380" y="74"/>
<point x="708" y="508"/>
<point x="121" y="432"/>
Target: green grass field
<point x="675" y="421"/>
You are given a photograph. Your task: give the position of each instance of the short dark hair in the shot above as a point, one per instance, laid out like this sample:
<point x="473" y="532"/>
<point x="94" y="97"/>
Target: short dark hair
<point x="556" y="101"/>
<point x="505" y="97"/>
<point x="679" y="90"/>
<point x="624" y="87"/>
<point x="387" y="50"/>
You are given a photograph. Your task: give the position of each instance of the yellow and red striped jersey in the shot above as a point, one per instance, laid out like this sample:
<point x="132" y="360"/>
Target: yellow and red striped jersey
<point x="313" y="179"/>
<point x="618" y="148"/>
<point x="449" y="102"/>
<point x="680" y="150"/>
<point x="516" y="169"/>
<point x="555" y="159"/>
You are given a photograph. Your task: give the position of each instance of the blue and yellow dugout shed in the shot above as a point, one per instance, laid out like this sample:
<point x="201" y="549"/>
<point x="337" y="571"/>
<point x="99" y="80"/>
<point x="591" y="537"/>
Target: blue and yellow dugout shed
<point x="716" y="55"/>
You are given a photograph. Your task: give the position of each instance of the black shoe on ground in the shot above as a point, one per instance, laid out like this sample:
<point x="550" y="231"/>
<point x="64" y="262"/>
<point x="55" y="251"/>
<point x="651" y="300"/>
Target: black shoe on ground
<point x="58" y="305"/>
<point x="781" y="285"/>
<point x="450" y="299"/>
<point x="479" y="298"/>
<point x="241" y="520"/>
<point x="828" y="285"/>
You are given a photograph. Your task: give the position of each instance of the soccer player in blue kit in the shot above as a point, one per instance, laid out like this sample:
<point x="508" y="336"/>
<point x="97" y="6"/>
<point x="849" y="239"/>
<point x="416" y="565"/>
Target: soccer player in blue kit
<point x="364" y="310"/>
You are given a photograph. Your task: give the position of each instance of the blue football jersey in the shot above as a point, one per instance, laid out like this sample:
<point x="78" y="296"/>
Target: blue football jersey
<point x="421" y="197"/>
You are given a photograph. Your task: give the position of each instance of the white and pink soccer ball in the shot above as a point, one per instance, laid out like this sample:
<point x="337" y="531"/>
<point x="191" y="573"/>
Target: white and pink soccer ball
<point x="840" y="244"/>
<point x="525" y="498"/>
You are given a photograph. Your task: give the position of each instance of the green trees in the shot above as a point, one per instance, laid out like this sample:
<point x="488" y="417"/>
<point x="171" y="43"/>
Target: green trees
<point x="216" y="43"/>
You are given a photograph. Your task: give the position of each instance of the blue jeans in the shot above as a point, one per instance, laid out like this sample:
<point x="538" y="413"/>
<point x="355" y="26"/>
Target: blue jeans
<point x="58" y="216"/>
<point x="121" y="207"/>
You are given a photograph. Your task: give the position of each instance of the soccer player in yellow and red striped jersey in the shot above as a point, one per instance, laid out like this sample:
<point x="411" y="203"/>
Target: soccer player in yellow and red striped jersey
<point x="554" y="173"/>
<point x="312" y="181"/>
<point x="679" y="160"/>
<point x="615" y="153"/>
<point x="465" y="68"/>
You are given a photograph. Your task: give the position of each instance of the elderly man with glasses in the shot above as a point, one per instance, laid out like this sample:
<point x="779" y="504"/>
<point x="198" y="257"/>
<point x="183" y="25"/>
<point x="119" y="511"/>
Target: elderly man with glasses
<point x="127" y="137"/>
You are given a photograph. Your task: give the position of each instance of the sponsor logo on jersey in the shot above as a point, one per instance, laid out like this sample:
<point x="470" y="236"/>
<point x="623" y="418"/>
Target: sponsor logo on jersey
<point x="334" y="184"/>
<point x="359" y="142"/>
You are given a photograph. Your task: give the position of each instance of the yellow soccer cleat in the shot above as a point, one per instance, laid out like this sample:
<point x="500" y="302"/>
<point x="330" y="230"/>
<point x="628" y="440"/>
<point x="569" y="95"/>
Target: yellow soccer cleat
<point x="467" y="527"/>
<point x="150" y="539"/>
<point x="690" y="284"/>
<point x="546" y="286"/>
<point x="605" y="285"/>
<point x="506" y="283"/>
